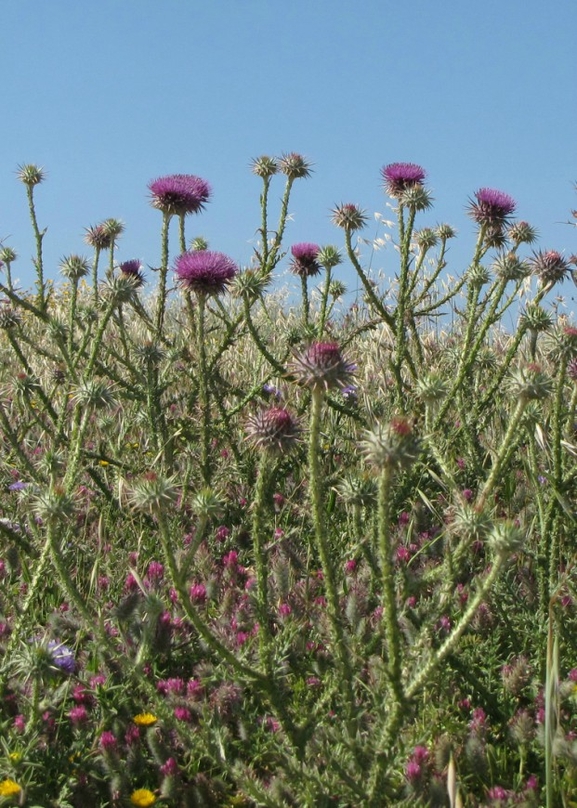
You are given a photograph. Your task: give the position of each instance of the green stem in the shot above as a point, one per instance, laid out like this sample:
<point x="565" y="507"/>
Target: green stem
<point x="161" y="301"/>
<point x="205" y="462"/>
<point x="39" y="261"/>
<point x="504" y="453"/>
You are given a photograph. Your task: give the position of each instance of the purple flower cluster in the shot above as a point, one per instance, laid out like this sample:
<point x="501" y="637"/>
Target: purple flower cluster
<point x="179" y="194"/>
<point x="305" y="263"/>
<point x="205" y="272"/>
<point x="491" y="208"/>
<point x="399" y="177"/>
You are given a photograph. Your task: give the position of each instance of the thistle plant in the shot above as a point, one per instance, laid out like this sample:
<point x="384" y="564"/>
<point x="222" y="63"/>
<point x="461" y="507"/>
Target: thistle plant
<point x="239" y="568"/>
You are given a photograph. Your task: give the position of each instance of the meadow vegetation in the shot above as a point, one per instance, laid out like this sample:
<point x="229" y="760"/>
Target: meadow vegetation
<point x="273" y="548"/>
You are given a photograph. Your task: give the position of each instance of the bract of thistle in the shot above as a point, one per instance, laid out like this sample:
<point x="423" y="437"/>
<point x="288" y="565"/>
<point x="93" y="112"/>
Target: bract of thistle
<point x="509" y="267"/>
<point x="274" y="430"/>
<point x="399" y="177"/>
<point x="305" y="262"/>
<point x="179" y="194"/>
<point x="522" y="233"/>
<point x="321" y="367"/>
<point x="417" y="198"/>
<point x="205" y="272"/>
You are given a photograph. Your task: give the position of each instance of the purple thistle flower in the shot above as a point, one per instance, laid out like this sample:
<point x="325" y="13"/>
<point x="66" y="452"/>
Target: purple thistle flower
<point x="321" y="366"/>
<point x="305" y="262"/>
<point x="205" y="272"/>
<point x="399" y="177"/>
<point x="133" y="269"/>
<point x="275" y="430"/>
<point x="62" y="656"/>
<point x="179" y="194"/>
<point x="492" y="208"/>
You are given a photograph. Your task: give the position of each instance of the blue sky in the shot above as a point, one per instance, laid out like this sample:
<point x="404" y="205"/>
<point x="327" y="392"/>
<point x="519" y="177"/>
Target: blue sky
<point x="108" y="95"/>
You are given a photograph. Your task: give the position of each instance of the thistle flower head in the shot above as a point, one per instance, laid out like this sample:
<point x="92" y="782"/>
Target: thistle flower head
<point x="506" y="538"/>
<point x="536" y="318"/>
<point x="529" y="383"/>
<point x="399" y="177"/>
<point x="549" y="267"/>
<point x="295" y="166"/>
<point x="349" y="217"/>
<point x="54" y="503"/>
<point x="30" y="174"/>
<point x="357" y="491"/>
<point x="7" y="255"/>
<point x="74" y="267"/>
<point x="508" y="266"/>
<point x="445" y="232"/>
<point x="98" y="237"/>
<point x="416" y="198"/>
<point x="305" y="260"/>
<point x="250" y="283"/>
<point x="152" y="493"/>
<point x="329" y="256"/>
<point x="179" y="194"/>
<point x="426" y="238"/>
<point x="133" y="269"/>
<point x="264" y="166"/>
<point x="205" y="272"/>
<point x="321" y="366"/>
<point x="9" y="317"/>
<point x="94" y="394"/>
<point x="392" y="445"/>
<point x="491" y="208"/>
<point x="274" y="430"/>
<point x="522" y="233"/>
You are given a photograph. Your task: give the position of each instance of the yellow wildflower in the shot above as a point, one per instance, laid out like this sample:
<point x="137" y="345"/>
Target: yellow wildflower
<point x="142" y="797"/>
<point x="15" y="757"/>
<point x="145" y="719"/>
<point x="9" y="788"/>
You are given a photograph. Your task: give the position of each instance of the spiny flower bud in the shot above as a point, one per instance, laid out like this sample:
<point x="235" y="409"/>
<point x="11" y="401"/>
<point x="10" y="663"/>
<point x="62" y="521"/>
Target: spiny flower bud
<point x="349" y="217"/>
<point x="31" y="175"/>
<point x="329" y="256"/>
<point x="321" y="366"/>
<point x="445" y="232"/>
<point x="536" y="318"/>
<point x="7" y="255"/>
<point x="469" y="524"/>
<point x="391" y="445"/>
<point x="426" y="238"/>
<point x="94" y="394"/>
<point x="54" y="503"/>
<point x="549" y="267"/>
<point x="417" y="198"/>
<point x="74" y="267"/>
<point x="274" y="430"/>
<point x="522" y="233"/>
<point x="250" y="283"/>
<point x="207" y="503"/>
<point x="529" y="383"/>
<point x="357" y="491"/>
<point x="294" y="166"/>
<point x="509" y="267"/>
<point x="152" y="492"/>
<point x="97" y="236"/>
<point x="9" y="317"/>
<point x="133" y="270"/>
<point x="264" y="166"/>
<point x="433" y="388"/>
<point x="506" y="538"/>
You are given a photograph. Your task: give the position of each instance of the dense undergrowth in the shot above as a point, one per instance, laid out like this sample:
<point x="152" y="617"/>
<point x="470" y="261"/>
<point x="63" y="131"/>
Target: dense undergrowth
<point x="269" y="553"/>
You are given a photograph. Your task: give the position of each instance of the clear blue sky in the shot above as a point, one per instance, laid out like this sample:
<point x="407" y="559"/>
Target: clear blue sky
<point x="109" y="94"/>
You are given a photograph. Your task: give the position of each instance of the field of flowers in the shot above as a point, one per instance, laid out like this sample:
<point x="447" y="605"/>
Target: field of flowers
<point x="265" y="548"/>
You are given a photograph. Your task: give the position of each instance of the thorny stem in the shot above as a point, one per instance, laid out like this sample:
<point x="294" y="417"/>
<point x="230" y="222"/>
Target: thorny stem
<point x="39" y="261"/>
<point x="163" y="272"/>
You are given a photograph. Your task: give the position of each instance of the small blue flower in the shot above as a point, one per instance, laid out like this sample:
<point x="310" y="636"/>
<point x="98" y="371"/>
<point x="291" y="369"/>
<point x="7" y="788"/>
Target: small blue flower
<point x="62" y="656"/>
